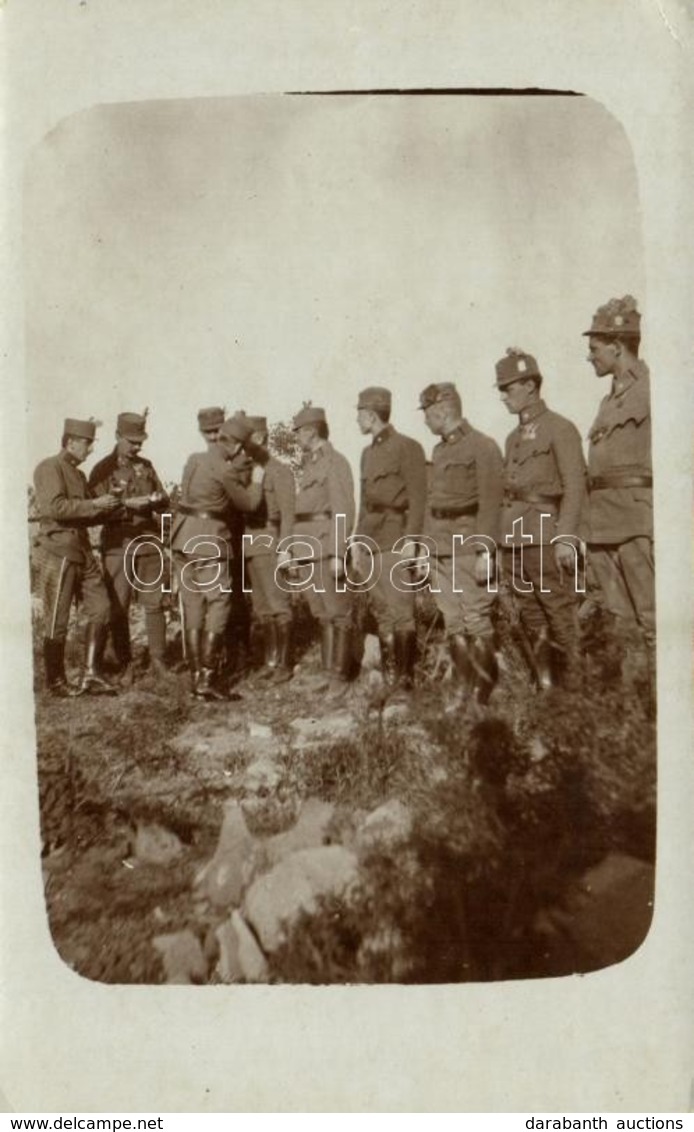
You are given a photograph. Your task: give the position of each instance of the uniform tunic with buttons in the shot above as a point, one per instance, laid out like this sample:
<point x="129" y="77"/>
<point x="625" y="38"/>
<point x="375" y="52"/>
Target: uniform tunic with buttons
<point x="544" y="458"/>
<point x="393" y="500"/>
<point x="66" y="509"/>
<point x="210" y="486"/>
<point x="621" y="518"/>
<point x="325" y="490"/>
<point x="265" y="527"/>
<point x="466" y="476"/>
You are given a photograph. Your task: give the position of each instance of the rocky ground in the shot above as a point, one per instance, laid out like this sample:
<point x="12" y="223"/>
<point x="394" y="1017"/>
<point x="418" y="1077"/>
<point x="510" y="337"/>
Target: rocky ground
<point x="287" y="837"/>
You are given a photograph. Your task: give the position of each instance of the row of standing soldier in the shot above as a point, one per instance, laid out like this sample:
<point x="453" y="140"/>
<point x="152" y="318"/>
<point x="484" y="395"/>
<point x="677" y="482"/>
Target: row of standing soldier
<point x="470" y="489"/>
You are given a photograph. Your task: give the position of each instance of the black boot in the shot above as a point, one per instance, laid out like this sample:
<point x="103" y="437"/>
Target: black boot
<point x="92" y="683"/>
<point x="405" y="658"/>
<point x="192" y="653"/>
<point x="387" y="643"/>
<point x="283" y="635"/>
<point x="271" y="647"/>
<point x="209" y="653"/>
<point x="458" y="645"/>
<point x="341" y="659"/>
<point x="485" y="668"/>
<point x="54" y="665"/>
<point x="544" y="661"/>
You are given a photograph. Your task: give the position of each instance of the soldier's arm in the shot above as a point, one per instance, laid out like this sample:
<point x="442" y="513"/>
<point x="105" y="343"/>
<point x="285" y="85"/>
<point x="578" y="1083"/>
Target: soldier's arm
<point x="341" y="485"/>
<point x="362" y="491"/>
<point x="414" y="473"/>
<point x="568" y="453"/>
<point x="285" y="492"/>
<point x="490" y="470"/>
<point x="54" y="504"/>
<point x="242" y="498"/>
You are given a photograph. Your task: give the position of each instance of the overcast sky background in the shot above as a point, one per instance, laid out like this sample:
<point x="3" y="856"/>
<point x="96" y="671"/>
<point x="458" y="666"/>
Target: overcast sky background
<point x="261" y="251"/>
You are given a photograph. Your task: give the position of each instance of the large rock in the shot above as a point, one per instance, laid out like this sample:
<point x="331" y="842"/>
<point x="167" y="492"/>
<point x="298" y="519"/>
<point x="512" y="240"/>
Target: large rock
<point x="310" y="831"/>
<point x="224" y="878"/>
<point x="155" y="845"/>
<point x="274" y="900"/>
<point x="240" y="957"/>
<point x="385" y="828"/>
<point x="182" y="957"/>
<point x="318" y="731"/>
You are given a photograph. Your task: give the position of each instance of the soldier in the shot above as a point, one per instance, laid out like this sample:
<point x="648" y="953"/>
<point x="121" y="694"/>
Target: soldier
<point x="68" y="566"/>
<point x="464" y="499"/>
<point x="544" y="497"/>
<point x="621" y="478"/>
<point x="271" y="522"/>
<point x="127" y="474"/>
<point x="209" y="489"/>
<point x="326" y="490"/>
<point x="392" y="502"/>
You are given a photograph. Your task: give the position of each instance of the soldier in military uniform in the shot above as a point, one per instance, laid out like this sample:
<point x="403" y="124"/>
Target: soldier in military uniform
<point x="544" y="497"/>
<point x="210" y="421"/>
<point x="464" y="499"/>
<point x="621" y="478"/>
<point x="265" y="527"/>
<point x="68" y="567"/>
<point x="209" y="489"/>
<point x="392" y="502"/>
<point x="126" y="473"/>
<point x="326" y="490"/>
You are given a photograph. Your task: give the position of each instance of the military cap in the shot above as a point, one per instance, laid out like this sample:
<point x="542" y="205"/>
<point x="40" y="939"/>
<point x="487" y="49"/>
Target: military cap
<point x="85" y="430"/>
<point x="516" y="365"/>
<point x="132" y="425"/>
<point x="616" y="318"/>
<point x="234" y="430"/>
<point x="310" y="414"/>
<point x="210" y="418"/>
<point x="256" y="424"/>
<point x="443" y="391"/>
<point x="375" y="397"/>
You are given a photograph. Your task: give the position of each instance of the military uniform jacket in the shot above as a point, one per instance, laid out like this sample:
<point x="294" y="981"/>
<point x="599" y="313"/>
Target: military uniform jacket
<point x="544" y="457"/>
<point x="66" y="508"/>
<point x="210" y="486"/>
<point x="274" y="517"/>
<point x="620" y="444"/>
<point x="325" y="489"/>
<point x="393" y="488"/>
<point x="466" y="473"/>
<point x="137" y="477"/>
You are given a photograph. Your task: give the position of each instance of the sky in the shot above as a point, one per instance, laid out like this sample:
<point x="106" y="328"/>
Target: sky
<point x="262" y="251"/>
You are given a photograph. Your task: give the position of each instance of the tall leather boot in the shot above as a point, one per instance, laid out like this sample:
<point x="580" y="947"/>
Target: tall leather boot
<point x="387" y="643"/>
<point x="485" y="668"/>
<point x="271" y="647"/>
<point x="156" y="640"/>
<point x="192" y="643"/>
<point x="458" y="646"/>
<point x="209" y="652"/>
<point x="92" y="683"/>
<point x="544" y="657"/>
<point x="283" y="670"/>
<point x="405" y="658"/>
<point x="341" y="659"/>
<point x="54" y="666"/>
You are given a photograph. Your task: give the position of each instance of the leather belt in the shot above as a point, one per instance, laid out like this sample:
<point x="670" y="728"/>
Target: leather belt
<point x="384" y="509"/>
<point x="600" y="483"/>
<point x="454" y="512"/>
<point x="311" y="516"/>
<point x="512" y="496"/>
<point x="200" y="513"/>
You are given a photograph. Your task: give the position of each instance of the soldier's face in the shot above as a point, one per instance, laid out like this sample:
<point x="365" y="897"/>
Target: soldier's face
<point x="602" y="355"/>
<point x="79" y="447"/>
<point x="517" y="396"/>
<point x="211" y="435"/>
<point x="435" y="418"/>
<point x="305" y="435"/>
<point x="128" y="445"/>
<point x="259" y="438"/>
<point x="365" y="421"/>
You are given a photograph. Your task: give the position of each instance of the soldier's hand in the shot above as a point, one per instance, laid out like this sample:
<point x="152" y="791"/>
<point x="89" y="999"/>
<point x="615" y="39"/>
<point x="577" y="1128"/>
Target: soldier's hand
<point x="483" y="568"/>
<point x="137" y="502"/>
<point x="283" y="559"/>
<point x="565" y="557"/>
<point x="258" y="474"/>
<point x="108" y="502"/>
<point x="337" y="567"/>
